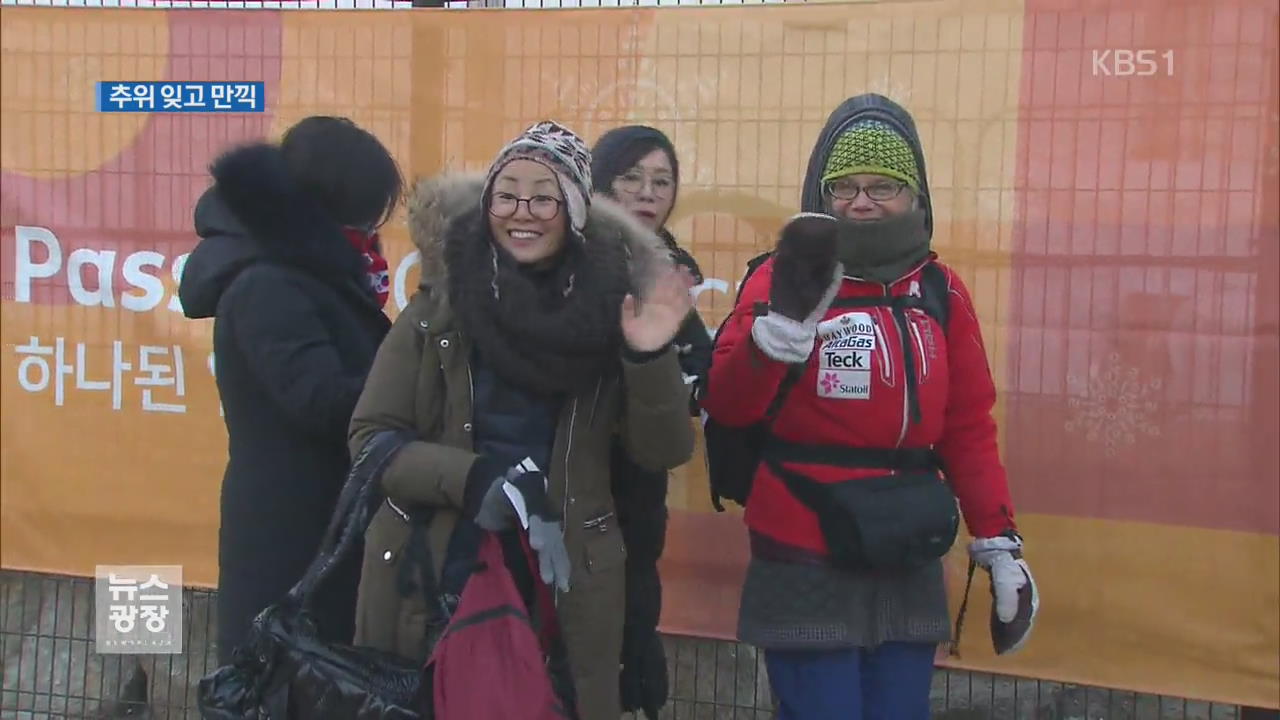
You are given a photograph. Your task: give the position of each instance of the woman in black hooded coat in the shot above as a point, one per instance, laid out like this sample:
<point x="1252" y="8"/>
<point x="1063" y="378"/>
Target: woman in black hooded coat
<point x="290" y="269"/>
<point x="637" y="166"/>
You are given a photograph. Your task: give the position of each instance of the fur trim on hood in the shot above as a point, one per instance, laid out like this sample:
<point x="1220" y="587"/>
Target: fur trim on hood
<point x="255" y="212"/>
<point x="438" y="201"/>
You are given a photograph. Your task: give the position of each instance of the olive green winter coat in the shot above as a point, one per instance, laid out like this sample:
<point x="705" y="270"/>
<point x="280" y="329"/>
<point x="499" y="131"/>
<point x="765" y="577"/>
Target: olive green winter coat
<point x="421" y="382"/>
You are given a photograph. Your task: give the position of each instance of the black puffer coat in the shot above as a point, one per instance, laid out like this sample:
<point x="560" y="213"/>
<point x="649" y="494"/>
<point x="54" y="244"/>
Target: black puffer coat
<point x="295" y="332"/>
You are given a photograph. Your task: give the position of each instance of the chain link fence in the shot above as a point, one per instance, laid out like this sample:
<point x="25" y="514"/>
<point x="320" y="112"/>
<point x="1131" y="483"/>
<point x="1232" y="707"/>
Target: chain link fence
<point x="50" y="670"/>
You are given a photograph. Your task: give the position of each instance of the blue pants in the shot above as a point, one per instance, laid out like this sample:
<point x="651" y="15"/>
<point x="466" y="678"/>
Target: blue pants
<point x="889" y="682"/>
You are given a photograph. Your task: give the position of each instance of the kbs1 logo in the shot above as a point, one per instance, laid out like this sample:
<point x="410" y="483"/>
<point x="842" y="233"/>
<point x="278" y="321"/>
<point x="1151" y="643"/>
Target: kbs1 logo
<point x="1120" y="62"/>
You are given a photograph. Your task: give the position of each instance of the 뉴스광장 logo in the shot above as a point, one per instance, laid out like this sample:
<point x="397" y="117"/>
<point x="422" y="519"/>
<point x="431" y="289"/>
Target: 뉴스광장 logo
<point x="138" y="609"/>
<point x="181" y="97"/>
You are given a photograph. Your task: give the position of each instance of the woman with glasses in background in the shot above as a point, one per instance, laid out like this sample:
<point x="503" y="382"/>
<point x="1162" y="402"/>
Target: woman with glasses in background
<point x="885" y="419"/>
<point x="637" y="166"/>
<point x="542" y="335"/>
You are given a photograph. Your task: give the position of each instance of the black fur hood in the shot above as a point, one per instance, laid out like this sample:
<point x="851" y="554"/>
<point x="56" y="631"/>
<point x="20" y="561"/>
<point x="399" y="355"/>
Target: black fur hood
<point x="256" y="213"/>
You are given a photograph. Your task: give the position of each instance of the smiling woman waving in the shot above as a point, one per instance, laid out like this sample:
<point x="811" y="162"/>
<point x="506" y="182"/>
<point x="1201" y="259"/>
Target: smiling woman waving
<point x="543" y="331"/>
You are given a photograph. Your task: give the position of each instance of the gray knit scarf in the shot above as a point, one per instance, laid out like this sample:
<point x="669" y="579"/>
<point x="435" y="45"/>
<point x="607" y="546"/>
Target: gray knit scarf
<point x="883" y="251"/>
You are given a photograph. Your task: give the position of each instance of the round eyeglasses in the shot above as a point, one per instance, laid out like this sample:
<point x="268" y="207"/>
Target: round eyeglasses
<point x="632" y="183"/>
<point x="542" y="207"/>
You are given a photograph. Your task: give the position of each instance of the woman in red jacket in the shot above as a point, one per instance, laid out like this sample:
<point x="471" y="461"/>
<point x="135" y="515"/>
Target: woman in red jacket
<point x="882" y="421"/>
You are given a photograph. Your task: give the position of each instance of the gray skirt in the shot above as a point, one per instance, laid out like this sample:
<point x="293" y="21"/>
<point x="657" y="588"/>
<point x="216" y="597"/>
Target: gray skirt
<point x="795" y="606"/>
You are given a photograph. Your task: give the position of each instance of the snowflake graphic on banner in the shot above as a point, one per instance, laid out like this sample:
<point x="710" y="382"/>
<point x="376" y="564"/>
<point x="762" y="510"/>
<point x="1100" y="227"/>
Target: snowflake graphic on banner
<point x="1114" y="405"/>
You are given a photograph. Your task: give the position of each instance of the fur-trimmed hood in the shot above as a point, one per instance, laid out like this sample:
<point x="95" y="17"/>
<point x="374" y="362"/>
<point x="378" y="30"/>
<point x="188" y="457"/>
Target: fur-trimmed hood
<point x="438" y="201"/>
<point x="256" y="212"/>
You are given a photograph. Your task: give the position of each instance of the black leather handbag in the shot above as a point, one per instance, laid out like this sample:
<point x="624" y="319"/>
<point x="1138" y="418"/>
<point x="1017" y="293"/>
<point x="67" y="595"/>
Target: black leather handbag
<point x="285" y="671"/>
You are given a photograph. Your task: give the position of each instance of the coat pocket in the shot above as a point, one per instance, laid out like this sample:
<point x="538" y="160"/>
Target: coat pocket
<point x="386" y="619"/>
<point x="385" y="538"/>
<point x="602" y="544"/>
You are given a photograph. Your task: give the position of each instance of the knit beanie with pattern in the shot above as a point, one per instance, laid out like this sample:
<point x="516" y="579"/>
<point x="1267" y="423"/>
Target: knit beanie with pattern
<point x="871" y="146"/>
<point x="561" y="151"/>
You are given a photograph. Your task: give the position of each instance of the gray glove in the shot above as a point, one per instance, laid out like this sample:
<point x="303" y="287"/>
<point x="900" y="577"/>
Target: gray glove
<point x="521" y="495"/>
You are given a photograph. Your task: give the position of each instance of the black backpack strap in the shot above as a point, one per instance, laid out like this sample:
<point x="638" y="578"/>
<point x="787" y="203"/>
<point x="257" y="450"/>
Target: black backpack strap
<point x="899" y="458"/>
<point x="752" y="265"/>
<point x="758" y="432"/>
<point x="935" y="293"/>
<point x="794" y="371"/>
<point x="793" y="374"/>
<point x="934" y="299"/>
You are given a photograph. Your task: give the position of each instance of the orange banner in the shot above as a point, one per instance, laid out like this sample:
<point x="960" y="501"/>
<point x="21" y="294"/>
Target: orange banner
<point x="1104" y="174"/>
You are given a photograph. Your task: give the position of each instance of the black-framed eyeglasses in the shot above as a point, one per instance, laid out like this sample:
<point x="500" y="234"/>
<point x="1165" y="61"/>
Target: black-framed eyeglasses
<point x="542" y="207"/>
<point x="879" y="191"/>
<point x="633" y="182"/>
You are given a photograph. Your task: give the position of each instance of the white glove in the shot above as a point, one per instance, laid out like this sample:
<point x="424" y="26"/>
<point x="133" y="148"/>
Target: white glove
<point x="1002" y="557"/>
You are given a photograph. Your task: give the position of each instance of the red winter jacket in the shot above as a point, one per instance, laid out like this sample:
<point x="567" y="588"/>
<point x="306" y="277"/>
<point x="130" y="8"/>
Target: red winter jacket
<point x="867" y="408"/>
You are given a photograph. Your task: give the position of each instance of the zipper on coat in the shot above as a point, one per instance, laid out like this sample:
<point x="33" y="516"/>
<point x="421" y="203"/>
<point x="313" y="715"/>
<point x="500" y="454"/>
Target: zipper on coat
<point x="396" y="509"/>
<point x="924" y="361"/>
<point x="568" y="449"/>
<point x="471" y="390"/>
<point x="591" y="419"/>
<point x="882" y="350"/>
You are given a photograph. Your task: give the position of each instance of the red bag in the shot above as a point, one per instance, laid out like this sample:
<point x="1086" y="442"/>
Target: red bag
<point x="490" y="663"/>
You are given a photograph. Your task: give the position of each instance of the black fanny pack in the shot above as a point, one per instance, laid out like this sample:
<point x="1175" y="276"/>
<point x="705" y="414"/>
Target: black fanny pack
<point x="883" y="523"/>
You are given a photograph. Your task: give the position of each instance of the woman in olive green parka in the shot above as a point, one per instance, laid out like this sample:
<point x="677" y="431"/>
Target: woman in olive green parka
<point x="543" y="328"/>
